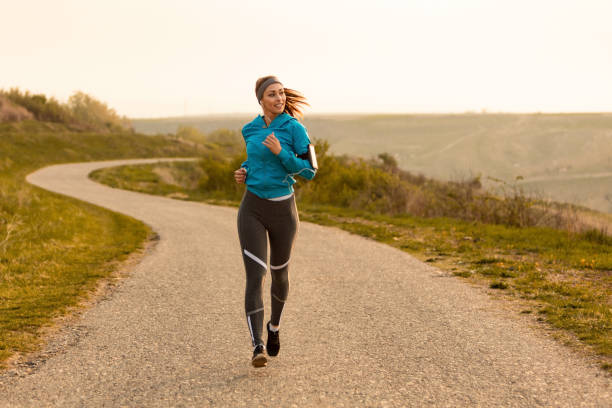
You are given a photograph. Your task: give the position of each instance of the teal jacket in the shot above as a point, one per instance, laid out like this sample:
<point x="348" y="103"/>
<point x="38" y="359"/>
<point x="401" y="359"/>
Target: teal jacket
<point x="270" y="175"/>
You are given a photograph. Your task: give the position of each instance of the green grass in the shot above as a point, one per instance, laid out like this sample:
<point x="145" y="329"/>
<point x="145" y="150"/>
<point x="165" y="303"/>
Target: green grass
<point x="54" y="249"/>
<point x="565" y="278"/>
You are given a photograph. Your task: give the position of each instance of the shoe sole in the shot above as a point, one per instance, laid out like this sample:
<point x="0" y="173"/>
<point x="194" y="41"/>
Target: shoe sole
<point x="259" y="361"/>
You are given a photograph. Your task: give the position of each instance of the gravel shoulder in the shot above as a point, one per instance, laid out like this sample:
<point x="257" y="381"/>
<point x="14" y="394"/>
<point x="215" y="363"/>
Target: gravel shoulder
<point x="365" y="325"/>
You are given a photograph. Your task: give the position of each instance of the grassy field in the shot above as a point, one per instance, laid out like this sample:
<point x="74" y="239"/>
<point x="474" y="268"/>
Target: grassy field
<point x="563" y="280"/>
<point x="565" y="154"/>
<point x="54" y="250"/>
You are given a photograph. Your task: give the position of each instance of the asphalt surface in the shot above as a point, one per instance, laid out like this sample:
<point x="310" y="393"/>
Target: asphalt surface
<point x="365" y="325"/>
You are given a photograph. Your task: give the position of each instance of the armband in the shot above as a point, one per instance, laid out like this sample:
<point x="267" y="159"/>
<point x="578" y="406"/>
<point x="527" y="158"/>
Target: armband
<point x="310" y="155"/>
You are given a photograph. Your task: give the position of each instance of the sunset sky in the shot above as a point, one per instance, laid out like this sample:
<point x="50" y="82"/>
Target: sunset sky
<point x="159" y="58"/>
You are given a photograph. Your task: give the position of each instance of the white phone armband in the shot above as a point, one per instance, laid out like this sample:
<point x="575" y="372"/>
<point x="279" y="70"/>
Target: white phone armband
<point x="311" y="156"/>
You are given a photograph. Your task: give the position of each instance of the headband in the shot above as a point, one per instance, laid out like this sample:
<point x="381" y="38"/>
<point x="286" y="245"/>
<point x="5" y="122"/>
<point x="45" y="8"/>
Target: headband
<point x="264" y="85"/>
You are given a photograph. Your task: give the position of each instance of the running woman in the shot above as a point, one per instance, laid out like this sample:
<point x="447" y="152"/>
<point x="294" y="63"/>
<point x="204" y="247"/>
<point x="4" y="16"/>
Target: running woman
<point x="273" y="141"/>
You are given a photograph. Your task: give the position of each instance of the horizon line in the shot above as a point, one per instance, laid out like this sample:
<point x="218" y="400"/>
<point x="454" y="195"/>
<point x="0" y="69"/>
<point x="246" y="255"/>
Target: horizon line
<point x="369" y="113"/>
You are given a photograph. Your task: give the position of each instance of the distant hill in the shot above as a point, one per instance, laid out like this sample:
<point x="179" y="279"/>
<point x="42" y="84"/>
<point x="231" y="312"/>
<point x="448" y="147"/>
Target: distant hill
<point x="567" y="157"/>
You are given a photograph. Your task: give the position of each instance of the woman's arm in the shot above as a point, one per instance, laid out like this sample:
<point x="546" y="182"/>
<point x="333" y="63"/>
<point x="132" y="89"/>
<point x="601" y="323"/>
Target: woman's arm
<point x="293" y="164"/>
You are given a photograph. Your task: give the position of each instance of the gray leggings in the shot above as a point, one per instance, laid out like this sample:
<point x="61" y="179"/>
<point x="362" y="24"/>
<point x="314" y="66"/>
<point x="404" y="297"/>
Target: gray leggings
<point x="280" y="219"/>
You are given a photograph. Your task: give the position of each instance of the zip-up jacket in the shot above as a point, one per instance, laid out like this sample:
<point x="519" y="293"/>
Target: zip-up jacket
<point x="270" y="175"/>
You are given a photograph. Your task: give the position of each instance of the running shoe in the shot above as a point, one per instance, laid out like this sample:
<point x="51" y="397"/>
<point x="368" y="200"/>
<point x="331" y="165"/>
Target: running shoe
<point x="273" y="344"/>
<point x="259" y="356"/>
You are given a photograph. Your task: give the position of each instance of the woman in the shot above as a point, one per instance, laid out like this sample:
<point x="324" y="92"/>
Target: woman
<point x="272" y="141"/>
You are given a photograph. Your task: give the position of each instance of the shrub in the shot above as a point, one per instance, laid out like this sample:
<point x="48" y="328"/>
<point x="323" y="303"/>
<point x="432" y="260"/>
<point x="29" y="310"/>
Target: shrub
<point x="379" y="186"/>
<point x="225" y="137"/>
<point x="190" y="133"/>
<point x="228" y="141"/>
<point x="10" y="112"/>
<point x="43" y="108"/>
<point x="81" y="112"/>
<point x="218" y="174"/>
<point x="94" y="114"/>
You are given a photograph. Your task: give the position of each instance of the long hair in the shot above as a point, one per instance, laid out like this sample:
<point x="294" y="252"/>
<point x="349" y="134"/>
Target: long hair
<point x="294" y="102"/>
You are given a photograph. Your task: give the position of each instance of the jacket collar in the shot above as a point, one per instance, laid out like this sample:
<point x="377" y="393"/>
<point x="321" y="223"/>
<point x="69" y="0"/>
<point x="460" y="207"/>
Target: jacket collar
<point x="276" y="122"/>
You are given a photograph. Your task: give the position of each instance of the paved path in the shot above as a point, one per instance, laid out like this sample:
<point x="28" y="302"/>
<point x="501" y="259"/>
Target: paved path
<point x="365" y="325"/>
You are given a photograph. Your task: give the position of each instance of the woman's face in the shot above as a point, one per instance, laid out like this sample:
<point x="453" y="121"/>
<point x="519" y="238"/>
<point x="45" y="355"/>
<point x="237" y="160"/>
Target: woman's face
<point x="273" y="100"/>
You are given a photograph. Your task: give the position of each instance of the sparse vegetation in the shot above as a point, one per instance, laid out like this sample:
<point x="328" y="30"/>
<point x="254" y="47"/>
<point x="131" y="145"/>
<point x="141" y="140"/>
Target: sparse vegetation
<point x="379" y="186"/>
<point x="93" y="114"/>
<point x="564" y="157"/>
<point x="81" y="112"/>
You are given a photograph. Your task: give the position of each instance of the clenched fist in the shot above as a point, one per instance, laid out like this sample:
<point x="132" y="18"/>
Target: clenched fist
<point x="240" y="175"/>
<point x="272" y="143"/>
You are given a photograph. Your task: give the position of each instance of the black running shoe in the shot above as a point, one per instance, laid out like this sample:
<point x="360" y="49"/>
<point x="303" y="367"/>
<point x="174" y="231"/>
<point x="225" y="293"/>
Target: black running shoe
<point x="273" y="344"/>
<point x="259" y="356"/>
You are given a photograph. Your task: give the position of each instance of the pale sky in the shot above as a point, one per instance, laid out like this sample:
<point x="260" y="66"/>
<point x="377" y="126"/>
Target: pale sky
<point x="157" y="58"/>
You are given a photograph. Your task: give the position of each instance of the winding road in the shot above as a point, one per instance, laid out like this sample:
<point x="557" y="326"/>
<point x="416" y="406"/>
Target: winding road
<point x="365" y="325"/>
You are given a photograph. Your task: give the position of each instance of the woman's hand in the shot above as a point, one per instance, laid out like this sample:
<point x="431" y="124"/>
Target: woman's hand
<point x="240" y="175"/>
<point x="273" y="144"/>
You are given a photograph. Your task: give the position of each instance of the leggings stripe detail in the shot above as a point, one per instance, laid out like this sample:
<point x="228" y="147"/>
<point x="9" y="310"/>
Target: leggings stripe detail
<point x="256" y="259"/>
<point x="255" y="311"/>
<point x="251" y="329"/>
<point x="280" y="266"/>
<point x="260" y="220"/>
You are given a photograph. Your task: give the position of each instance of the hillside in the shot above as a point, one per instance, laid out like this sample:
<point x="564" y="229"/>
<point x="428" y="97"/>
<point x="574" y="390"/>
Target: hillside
<point x="566" y="157"/>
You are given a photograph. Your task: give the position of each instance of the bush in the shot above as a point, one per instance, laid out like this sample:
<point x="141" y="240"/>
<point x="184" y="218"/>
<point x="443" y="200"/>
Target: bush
<point x="94" y="114"/>
<point x="225" y="137"/>
<point x="43" y="108"/>
<point x="226" y="140"/>
<point x="379" y="186"/>
<point x="82" y="111"/>
<point x="190" y="133"/>
<point x="218" y="174"/>
<point x="10" y="112"/>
